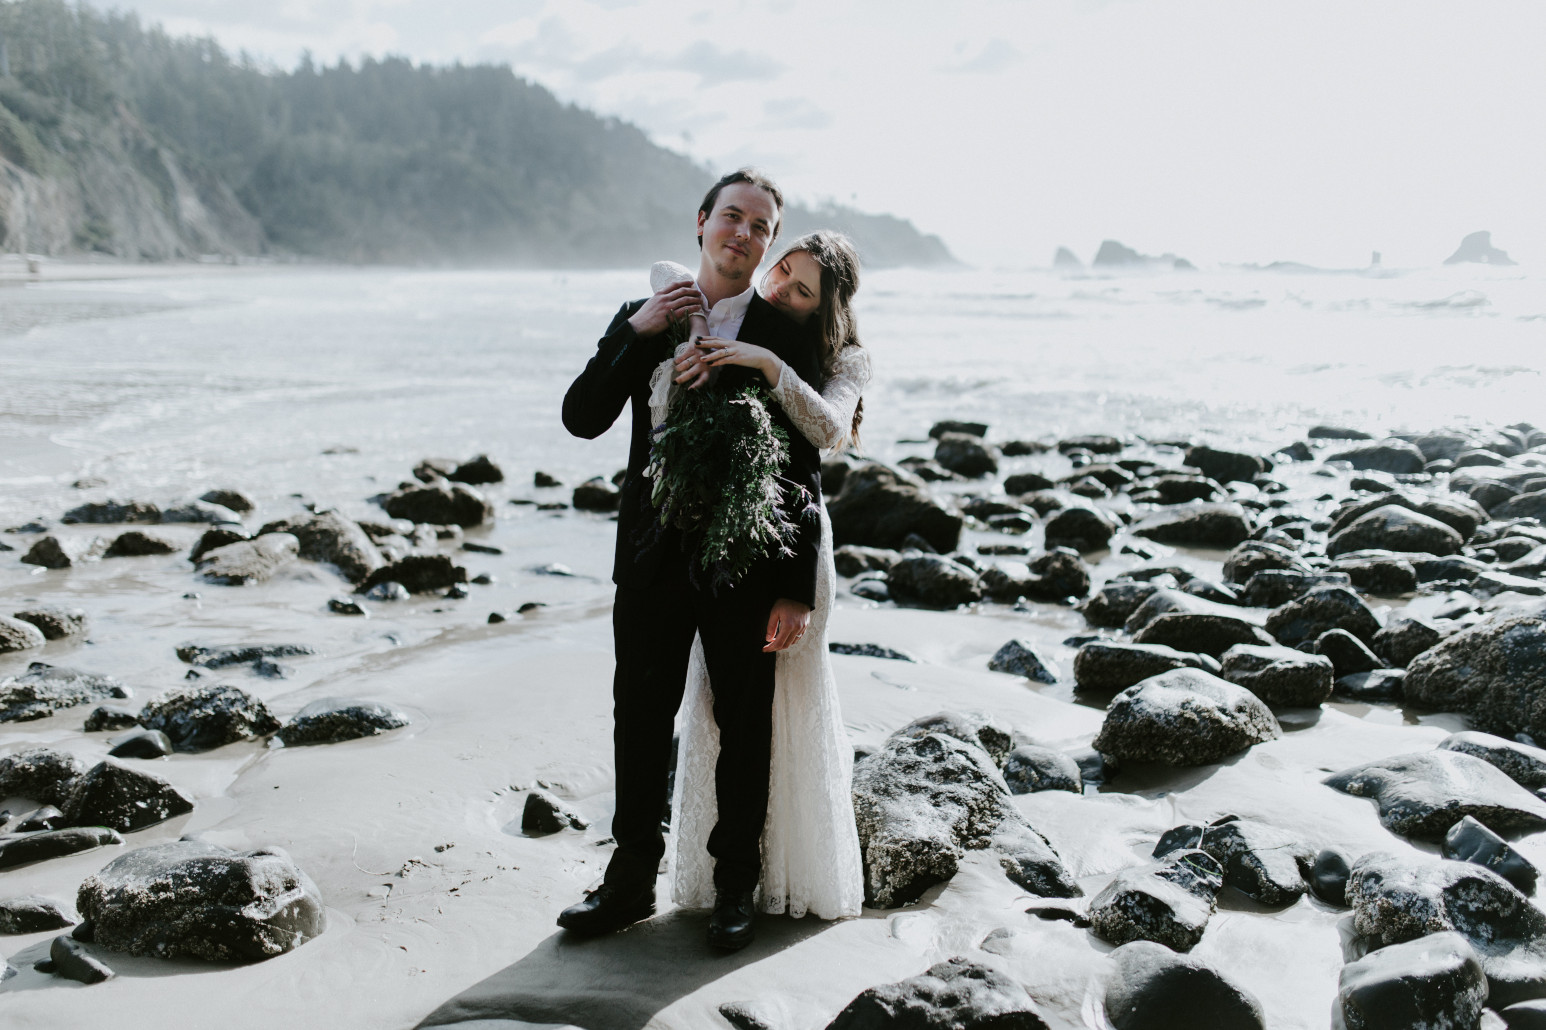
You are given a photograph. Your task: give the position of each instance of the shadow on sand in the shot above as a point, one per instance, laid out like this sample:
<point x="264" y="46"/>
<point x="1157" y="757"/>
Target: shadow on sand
<point x="618" y="981"/>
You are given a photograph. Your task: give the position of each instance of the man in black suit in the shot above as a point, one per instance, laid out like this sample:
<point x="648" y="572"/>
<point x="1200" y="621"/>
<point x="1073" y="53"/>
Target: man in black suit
<point x="659" y="606"/>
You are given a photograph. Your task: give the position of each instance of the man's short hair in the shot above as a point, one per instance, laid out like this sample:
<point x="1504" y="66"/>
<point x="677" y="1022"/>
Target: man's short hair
<point x="751" y="177"/>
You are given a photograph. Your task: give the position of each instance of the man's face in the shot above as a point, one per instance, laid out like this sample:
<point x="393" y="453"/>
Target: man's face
<point x="737" y="232"/>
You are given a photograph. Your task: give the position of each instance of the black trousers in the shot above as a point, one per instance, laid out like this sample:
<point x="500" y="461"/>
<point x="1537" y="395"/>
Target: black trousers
<point x="653" y="631"/>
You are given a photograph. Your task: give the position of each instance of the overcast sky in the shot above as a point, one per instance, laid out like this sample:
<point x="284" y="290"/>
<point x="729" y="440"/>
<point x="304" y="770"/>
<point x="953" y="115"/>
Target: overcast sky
<point x="1222" y="130"/>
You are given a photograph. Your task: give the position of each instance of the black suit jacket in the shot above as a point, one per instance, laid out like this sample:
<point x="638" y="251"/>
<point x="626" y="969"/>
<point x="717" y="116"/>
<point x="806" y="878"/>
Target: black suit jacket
<point x="620" y="372"/>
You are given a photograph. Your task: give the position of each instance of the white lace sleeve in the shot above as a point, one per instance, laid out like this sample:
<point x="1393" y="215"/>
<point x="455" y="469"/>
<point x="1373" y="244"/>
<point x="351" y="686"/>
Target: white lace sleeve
<point x="826" y="417"/>
<point x="665" y="273"/>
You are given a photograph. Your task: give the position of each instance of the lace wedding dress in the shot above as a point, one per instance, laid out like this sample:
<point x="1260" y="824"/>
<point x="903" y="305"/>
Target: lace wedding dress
<point x="810" y="848"/>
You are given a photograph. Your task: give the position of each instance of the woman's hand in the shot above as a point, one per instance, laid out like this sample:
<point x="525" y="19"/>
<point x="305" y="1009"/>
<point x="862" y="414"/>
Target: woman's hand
<point x="676" y="301"/>
<point x="786" y="624"/>
<point x="714" y="352"/>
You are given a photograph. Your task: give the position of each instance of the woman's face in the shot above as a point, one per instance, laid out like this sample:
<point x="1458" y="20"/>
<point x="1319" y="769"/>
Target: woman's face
<point x="794" y="285"/>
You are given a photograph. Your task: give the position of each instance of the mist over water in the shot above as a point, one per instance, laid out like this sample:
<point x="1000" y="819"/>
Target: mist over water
<point x="165" y="387"/>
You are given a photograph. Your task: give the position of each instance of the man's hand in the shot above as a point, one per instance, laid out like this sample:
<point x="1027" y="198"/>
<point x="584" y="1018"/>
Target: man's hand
<point x="675" y="301"/>
<point x="786" y="624"/>
<point x="712" y="353"/>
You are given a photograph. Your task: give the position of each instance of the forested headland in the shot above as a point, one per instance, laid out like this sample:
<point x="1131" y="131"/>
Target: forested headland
<point x="119" y="139"/>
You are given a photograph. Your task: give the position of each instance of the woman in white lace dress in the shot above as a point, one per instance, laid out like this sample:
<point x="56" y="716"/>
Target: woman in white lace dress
<point x="810" y="849"/>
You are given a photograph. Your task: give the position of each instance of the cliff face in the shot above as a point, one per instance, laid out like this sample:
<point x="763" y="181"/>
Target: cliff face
<point x="116" y="191"/>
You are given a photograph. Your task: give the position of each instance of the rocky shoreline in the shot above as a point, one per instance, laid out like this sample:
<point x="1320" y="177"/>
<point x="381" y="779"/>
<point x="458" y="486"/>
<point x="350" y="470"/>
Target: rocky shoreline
<point x="1224" y="605"/>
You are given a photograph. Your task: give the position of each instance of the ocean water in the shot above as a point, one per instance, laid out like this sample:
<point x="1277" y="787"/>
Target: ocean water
<point x="161" y="387"/>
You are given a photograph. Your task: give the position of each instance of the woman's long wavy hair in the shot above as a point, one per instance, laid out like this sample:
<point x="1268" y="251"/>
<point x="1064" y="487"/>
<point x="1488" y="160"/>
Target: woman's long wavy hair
<point x="833" y="321"/>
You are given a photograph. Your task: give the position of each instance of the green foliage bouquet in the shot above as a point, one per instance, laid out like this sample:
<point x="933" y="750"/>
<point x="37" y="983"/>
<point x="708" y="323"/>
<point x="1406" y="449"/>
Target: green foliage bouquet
<point x="715" y="464"/>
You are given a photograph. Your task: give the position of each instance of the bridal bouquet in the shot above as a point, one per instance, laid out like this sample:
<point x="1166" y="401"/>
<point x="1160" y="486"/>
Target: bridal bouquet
<point x="715" y="462"/>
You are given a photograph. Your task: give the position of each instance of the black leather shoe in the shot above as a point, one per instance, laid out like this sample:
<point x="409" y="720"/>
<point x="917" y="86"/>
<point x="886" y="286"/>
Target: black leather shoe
<point x="730" y="927"/>
<point x="606" y="909"/>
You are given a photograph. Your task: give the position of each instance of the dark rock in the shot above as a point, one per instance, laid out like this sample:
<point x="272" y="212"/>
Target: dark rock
<point x="1169" y="904"/>
<point x="418" y="573"/>
<point x="37" y="847"/>
<point x="1026" y="482"/>
<point x="233" y="499"/>
<point x="1296" y="451"/>
<point x="1176" y="488"/>
<point x="199" y="511"/>
<point x="1434" y="981"/>
<point x="1153" y="988"/>
<point x="33" y="914"/>
<point x="1225" y="466"/>
<point x="545" y="814"/>
<point x="138" y="543"/>
<point x="1020" y="658"/>
<point x="880" y="506"/>
<point x="440" y="503"/>
<point x="1404" y="639"/>
<point x="1523" y="764"/>
<point x="1379" y="575"/>
<point x="57" y="622"/>
<point x="1112" y="665"/>
<point x="331" y="537"/>
<point x="833" y="472"/>
<point x="329" y="720"/>
<point x="431" y="469"/>
<point x="1272" y="588"/>
<point x="1442" y="445"/>
<point x="478" y="471"/>
<point x="1525" y="1015"/>
<point x="1266" y="864"/>
<point x="1029" y="769"/>
<point x="390" y="590"/>
<point x="143" y="744"/>
<point x="1394" y="528"/>
<point x="870" y="651"/>
<point x="249" y="561"/>
<point x="346" y="606"/>
<point x="45" y="689"/>
<point x="1081" y="528"/>
<point x="39" y="774"/>
<point x="1208" y="590"/>
<point x="1204" y="632"/>
<point x="107" y="717"/>
<point x="975" y="728"/>
<point x="68" y="959"/>
<point x="1197" y="525"/>
<point x="966" y="455"/>
<point x="1057" y="574"/>
<point x="1349" y="655"/>
<point x="1324" y="432"/>
<point x="1494" y="672"/>
<point x="1253" y="556"/>
<point x="596" y="495"/>
<point x="940" y="428"/>
<point x="1095" y="444"/>
<point x="1044" y="502"/>
<point x="1470" y="841"/>
<point x="956" y="995"/>
<point x="476" y="548"/>
<point x="54" y="552"/>
<point x="221" y="656"/>
<point x="933" y="581"/>
<point x="921" y="803"/>
<point x="1460" y="515"/>
<point x="199" y="717"/>
<point x="1115" y="603"/>
<point x="871" y="590"/>
<point x="1491" y="494"/>
<point x="745" y="1015"/>
<point x="46" y="818"/>
<point x="18" y="635"/>
<point x="1376" y="685"/>
<point x="187" y="897"/>
<point x="1327" y="878"/>
<point x="114" y="795"/>
<point x="113" y="511"/>
<point x="1168" y="601"/>
<point x="852" y="559"/>
<point x="1422" y="795"/>
<point x="1307" y="617"/>
<point x="1394" y="456"/>
<point x="1531" y="505"/>
<point x="1401" y="899"/>
<point x="1280" y="676"/>
<point x="215" y="538"/>
<point x="1184" y="717"/>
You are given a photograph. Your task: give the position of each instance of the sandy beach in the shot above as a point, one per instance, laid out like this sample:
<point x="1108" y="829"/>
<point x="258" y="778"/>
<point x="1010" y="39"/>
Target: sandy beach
<point x="439" y="909"/>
